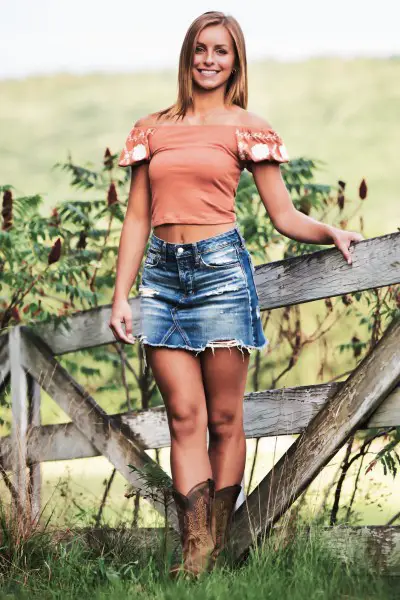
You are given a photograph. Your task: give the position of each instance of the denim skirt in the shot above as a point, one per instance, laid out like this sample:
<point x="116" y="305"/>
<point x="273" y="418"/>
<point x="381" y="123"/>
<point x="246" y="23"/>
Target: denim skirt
<point x="200" y="295"/>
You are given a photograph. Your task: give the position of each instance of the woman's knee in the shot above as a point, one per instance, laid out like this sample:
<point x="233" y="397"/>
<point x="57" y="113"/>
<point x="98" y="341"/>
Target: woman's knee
<point x="224" y="425"/>
<point x="186" y="420"/>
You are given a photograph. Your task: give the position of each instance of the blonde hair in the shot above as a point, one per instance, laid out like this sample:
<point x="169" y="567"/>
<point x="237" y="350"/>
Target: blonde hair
<point x="236" y="91"/>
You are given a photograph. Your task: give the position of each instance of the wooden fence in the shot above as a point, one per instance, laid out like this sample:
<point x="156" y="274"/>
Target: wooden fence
<point x="324" y="415"/>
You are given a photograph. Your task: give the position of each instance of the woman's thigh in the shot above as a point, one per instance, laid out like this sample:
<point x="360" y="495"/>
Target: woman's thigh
<point x="178" y="376"/>
<point x="224" y="375"/>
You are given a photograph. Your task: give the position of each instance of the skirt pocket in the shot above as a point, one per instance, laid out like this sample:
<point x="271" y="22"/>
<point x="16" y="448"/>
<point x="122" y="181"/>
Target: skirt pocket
<point x="152" y="258"/>
<point x="220" y="258"/>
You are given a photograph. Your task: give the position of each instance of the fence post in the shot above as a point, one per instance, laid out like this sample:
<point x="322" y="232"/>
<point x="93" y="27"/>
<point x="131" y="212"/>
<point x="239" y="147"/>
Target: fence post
<point x="19" y="411"/>
<point x="34" y="468"/>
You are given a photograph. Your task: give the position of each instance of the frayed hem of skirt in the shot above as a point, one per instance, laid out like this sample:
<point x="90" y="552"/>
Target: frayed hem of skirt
<point x="217" y="344"/>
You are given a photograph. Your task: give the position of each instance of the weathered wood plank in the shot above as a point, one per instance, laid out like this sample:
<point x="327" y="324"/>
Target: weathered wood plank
<point x="34" y="466"/>
<point x="376" y="263"/>
<point x="19" y="423"/>
<point x="113" y="440"/>
<point x="367" y="386"/>
<point x="283" y="411"/>
<point x="377" y="547"/>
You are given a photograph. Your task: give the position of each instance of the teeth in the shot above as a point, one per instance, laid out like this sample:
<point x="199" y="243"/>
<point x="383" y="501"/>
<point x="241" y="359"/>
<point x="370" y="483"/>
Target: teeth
<point x="204" y="72"/>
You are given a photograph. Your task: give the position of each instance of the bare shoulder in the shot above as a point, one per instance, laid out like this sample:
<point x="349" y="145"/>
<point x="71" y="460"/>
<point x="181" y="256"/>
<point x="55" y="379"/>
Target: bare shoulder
<point x="251" y="119"/>
<point x="146" y="121"/>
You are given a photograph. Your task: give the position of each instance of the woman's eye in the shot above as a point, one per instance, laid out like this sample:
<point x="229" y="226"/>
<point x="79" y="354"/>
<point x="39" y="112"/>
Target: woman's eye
<point x="199" y="49"/>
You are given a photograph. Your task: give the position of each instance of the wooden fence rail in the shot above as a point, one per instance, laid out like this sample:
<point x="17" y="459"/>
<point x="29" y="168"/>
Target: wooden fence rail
<point x="322" y="274"/>
<point x="285" y="411"/>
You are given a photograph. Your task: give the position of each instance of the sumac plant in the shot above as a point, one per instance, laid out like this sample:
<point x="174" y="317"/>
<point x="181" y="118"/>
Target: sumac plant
<point x="52" y="266"/>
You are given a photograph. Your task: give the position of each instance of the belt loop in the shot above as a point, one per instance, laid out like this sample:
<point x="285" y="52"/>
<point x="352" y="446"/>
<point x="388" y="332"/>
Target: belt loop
<point x="242" y="240"/>
<point x="164" y="251"/>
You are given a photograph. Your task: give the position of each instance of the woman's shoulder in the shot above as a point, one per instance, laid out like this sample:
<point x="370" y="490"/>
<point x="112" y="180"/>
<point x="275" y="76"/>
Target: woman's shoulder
<point x="155" y="119"/>
<point x="251" y="120"/>
<point x="147" y="121"/>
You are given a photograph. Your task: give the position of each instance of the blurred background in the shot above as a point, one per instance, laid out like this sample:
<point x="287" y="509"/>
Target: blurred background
<point x="75" y="76"/>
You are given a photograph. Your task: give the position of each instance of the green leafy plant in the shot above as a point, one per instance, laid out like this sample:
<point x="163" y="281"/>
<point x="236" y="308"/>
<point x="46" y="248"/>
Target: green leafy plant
<point x="157" y="485"/>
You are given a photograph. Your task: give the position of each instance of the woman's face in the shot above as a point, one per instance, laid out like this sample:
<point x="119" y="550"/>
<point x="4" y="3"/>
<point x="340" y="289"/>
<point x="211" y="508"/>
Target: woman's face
<point x="214" y="57"/>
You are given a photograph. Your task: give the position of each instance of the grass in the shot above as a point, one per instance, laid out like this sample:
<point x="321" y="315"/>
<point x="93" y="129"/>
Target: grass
<point x="46" y="566"/>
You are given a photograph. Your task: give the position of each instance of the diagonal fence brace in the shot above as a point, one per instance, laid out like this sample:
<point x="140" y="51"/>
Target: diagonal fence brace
<point x="363" y="391"/>
<point x="112" y="439"/>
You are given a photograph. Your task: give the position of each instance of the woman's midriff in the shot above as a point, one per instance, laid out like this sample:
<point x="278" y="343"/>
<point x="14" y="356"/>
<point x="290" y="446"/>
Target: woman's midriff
<point x="188" y="234"/>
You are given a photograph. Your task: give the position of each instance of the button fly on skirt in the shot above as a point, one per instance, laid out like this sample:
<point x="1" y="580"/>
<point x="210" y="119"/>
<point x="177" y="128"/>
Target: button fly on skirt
<point x="185" y="264"/>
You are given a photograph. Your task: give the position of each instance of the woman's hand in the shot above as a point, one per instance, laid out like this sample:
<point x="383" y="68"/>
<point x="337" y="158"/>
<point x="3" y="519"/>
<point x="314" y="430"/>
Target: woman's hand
<point x="121" y="313"/>
<point x="342" y="240"/>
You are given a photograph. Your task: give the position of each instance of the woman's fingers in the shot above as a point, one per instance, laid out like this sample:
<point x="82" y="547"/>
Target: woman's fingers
<point x="128" y="329"/>
<point x="345" y="248"/>
<point x="344" y="241"/>
<point x="118" y="332"/>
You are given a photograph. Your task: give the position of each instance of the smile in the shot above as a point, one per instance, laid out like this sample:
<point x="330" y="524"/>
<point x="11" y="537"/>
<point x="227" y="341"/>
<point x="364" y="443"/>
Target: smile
<point x="207" y="72"/>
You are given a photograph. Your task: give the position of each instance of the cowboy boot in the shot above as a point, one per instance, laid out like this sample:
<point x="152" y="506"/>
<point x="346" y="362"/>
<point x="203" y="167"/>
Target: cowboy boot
<point x="194" y="516"/>
<point x="221" y="518"/>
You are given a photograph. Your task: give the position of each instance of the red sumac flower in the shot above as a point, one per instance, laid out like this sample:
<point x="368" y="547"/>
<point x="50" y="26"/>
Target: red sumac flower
<point x="112" y="197"/>
<point x="55" y="252"/>
<point x="108" y="161"/>
<point x="363" y="190"/>
<point x="7" y="210"/>
<point x="340" y="197"/>
<point x="346" y="299"/>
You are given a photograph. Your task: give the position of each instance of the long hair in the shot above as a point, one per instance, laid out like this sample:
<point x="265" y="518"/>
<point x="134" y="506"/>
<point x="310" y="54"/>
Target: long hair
<point x="236" y="90"/>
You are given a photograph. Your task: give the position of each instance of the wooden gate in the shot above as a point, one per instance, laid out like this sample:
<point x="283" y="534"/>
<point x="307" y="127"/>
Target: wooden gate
<point x="325" y="415"/>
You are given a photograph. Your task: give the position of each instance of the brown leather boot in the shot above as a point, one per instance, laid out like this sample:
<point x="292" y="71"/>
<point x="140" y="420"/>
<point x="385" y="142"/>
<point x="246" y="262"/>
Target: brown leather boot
<point x="194" y="515"/>
<point x="221" y="517"/>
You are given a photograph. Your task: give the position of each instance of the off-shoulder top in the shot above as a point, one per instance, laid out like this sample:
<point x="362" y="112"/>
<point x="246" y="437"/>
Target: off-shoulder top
<point x="194" y="170"/>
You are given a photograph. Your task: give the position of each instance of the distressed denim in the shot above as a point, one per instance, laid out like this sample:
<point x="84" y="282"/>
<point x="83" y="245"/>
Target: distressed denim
<point x="200" y="295"/>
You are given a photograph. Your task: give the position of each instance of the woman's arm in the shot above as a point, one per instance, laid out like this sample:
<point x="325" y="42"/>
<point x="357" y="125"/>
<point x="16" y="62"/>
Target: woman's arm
<point x="134" y="235"/>
<point x="291" y="222"/>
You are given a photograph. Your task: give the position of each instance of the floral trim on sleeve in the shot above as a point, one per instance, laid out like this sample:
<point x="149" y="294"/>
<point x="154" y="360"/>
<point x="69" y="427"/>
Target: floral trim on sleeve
<point x="257" y="145"/>
<point x="136" y="147"/>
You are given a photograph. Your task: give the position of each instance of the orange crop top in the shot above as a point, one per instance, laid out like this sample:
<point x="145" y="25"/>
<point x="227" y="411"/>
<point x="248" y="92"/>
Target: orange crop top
<point x="194" y="170"/>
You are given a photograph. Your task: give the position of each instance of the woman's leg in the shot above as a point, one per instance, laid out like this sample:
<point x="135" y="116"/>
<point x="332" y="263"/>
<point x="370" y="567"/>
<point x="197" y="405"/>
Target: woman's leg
<point x="178" y="376"/>
<point x="224" y="380"/>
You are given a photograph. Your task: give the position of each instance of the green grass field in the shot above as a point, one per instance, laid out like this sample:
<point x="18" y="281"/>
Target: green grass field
<point x="298" y="568"/>
<point x="344" y="112"/>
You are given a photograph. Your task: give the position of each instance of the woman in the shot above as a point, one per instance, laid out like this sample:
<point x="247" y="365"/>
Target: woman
<point x="200" y="315"/>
